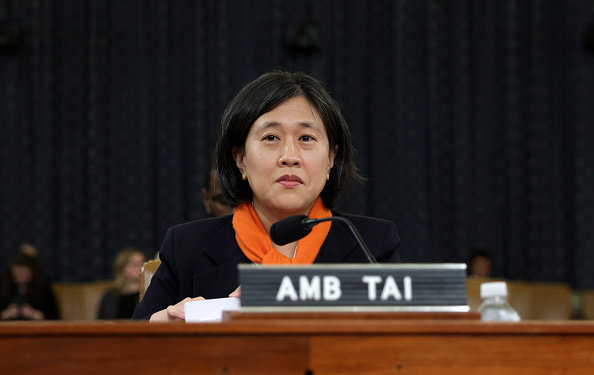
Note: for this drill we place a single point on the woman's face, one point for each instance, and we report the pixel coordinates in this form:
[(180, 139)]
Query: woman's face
[(286, 158), (133, 267), (21, 274)]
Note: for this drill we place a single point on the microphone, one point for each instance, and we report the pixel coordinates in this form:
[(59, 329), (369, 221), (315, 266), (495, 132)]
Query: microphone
[(296, 227)]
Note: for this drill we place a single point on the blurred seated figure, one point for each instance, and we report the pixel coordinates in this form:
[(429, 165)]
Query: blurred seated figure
[(480, 263), (25, 294), (120, 302), (215, 203)]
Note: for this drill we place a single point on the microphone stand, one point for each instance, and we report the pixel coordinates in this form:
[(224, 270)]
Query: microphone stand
[(311, 222)]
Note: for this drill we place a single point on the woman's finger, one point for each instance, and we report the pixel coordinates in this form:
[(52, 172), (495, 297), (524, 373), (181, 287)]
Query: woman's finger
[(236, 292)]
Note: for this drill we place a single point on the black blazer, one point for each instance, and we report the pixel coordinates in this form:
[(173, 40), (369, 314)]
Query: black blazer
[(200, 258)]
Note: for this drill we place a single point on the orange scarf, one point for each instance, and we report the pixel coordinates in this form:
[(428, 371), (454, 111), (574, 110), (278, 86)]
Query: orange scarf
[(255, 242)]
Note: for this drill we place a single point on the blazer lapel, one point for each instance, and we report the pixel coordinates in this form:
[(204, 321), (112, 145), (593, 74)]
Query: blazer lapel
[(222, 278), (223, 246)]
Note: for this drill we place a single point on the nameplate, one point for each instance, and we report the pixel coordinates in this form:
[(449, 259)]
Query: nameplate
[(354, 287)]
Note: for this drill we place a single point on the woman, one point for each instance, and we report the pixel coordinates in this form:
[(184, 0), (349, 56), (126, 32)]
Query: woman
[(25, 294), (120, 302), (283, 149)]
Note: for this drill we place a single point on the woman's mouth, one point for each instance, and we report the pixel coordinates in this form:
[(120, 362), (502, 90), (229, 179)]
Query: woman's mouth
[(290, 181)]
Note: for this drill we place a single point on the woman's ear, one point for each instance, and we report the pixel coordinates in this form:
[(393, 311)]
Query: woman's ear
[(332, 156), (238, 155)]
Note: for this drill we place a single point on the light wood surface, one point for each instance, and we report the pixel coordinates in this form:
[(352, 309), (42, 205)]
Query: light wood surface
[(532, 300), (80, 301), (279, 345), (146, 274)]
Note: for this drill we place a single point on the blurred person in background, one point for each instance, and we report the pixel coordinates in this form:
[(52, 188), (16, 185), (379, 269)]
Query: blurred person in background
[(120, 301), (215, 203), (480, 263), (25, 293)]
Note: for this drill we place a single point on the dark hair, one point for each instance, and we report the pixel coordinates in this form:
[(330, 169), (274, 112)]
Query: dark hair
[(35, 289), (263, 95), (479, 252), (208, 168), (475, 253)]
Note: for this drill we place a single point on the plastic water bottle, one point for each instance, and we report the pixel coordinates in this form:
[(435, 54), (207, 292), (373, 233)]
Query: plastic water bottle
[(495, 307)]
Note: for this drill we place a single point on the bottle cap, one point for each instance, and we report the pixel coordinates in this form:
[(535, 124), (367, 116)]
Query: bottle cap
[(494, 289)]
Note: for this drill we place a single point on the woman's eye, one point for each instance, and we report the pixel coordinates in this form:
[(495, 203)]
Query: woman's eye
[(269, 137), (307, 138)]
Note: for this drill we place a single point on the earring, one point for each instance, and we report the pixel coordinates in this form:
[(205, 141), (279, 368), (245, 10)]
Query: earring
[(243, 176), (328, 176)]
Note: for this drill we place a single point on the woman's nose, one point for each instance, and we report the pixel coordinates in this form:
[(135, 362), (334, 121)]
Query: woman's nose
[(289, 155)]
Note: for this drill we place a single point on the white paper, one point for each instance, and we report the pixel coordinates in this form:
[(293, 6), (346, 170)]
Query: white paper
[(210, 310)]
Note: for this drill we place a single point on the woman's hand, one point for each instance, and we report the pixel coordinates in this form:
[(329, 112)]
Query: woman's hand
[(29, 312), (11, 312), (236, 292), (176, 312), (173, 312)]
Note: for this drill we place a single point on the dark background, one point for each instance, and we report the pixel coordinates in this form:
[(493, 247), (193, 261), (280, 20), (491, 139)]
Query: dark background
[(473, 121)]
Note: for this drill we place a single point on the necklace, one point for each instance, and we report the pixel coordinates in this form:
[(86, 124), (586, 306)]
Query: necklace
[(295, 251)]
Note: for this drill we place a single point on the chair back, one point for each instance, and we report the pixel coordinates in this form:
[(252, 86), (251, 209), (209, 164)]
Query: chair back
[(80, 301), (146, 274)]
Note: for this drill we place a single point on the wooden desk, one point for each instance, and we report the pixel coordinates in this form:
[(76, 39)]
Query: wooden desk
[(308, 346)]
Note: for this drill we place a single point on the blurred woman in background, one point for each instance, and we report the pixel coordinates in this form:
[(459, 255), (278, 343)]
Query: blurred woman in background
[(120, 302), (25, 294)]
